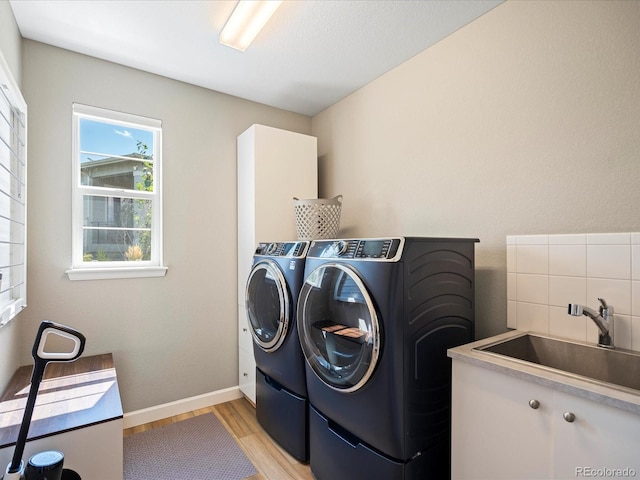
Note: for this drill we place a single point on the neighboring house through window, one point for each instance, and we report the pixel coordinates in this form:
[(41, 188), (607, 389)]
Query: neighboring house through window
[(117, 202)]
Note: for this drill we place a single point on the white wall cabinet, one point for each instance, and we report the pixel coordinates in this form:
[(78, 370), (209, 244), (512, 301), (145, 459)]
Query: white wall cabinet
[(497, 434), (274, 166)]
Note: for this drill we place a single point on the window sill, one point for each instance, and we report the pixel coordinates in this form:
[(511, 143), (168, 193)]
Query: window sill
[(11, 310), (114, 273)]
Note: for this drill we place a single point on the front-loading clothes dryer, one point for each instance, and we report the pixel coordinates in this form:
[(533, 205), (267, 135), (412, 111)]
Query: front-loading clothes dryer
[(375, 319), (281, 392)]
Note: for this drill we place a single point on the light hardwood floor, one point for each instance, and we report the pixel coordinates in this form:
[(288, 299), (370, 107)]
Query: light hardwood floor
[(239, 418)]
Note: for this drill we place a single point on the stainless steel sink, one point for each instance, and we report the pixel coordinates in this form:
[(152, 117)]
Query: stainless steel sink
[(617, 367)]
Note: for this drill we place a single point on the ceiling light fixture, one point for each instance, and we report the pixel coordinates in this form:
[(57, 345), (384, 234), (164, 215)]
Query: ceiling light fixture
[(246, 21)]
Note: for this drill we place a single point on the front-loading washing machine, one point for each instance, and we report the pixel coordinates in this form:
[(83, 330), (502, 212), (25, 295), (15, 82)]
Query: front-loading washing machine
[(272, 291), (375, 320)]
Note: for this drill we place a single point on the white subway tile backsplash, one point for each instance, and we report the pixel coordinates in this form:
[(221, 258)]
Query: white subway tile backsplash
[(532, 288), (579, 239), (616, 293), (512, 315), (532, 317), (511, 287), (569, 260), (635, 333), (609, 261), (622, 332), (608, 239), (532, 259), (561, 324), (566, 290), (635, 262), (511, 259), (532, 239), (546, 272)]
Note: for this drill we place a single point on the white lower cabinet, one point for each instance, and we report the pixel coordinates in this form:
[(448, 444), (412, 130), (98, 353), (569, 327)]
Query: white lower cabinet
[(505, 427), (495, 433), (601, 438)]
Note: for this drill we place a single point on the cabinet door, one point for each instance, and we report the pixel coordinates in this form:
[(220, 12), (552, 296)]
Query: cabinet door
[(496, 434), (245, 341), (600, 437), (246, 360), (247, 375)]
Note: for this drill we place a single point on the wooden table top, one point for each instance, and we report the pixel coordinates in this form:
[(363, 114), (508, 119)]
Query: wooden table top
[(72, 395)]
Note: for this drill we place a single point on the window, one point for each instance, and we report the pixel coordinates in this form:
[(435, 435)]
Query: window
[(117, 203), (13, 197)]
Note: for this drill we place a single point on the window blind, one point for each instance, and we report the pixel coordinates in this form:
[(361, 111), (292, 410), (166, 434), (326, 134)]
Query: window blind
[(13, 196)]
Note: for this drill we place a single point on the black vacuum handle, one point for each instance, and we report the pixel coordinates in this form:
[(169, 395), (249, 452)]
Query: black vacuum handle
[(41, 358), (46, 328)]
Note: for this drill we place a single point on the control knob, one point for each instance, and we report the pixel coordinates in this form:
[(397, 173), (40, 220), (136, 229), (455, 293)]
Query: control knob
[(271, 248), (340, 247)]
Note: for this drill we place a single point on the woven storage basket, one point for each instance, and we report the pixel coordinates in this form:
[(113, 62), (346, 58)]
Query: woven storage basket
[(317, 218)]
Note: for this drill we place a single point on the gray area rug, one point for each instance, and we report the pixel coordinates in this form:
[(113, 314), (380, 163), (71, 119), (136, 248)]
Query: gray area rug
[(199, 448)]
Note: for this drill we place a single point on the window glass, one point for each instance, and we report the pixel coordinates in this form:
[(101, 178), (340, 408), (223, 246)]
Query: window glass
[(117, 190), (115, 157), (116, 228)]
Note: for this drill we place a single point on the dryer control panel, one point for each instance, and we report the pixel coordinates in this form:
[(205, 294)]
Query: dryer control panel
[(381, 249), (282, 249)]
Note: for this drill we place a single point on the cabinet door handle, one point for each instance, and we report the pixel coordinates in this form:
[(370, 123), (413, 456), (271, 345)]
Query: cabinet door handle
[(569, 417), (245, 374), (535, 404), (244, 329)]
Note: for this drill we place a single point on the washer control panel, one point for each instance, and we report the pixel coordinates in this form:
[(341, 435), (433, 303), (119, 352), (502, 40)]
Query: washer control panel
[(282, 249), (365, 249)]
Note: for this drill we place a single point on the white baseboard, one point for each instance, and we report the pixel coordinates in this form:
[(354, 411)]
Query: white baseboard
[(151, 414)]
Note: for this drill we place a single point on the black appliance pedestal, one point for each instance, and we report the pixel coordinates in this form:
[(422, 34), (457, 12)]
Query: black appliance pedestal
[(284, 416)]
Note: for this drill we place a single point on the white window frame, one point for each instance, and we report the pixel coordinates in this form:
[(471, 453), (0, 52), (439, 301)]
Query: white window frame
[(13, 284), (82, 270)]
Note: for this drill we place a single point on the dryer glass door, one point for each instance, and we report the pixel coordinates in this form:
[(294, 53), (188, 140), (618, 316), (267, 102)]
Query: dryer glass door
[(268, 305), (338, 327)]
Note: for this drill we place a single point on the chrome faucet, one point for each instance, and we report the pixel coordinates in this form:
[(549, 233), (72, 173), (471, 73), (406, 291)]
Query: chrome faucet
[(604, 321)]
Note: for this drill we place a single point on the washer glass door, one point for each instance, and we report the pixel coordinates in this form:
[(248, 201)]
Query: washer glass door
[(268, 305), (338, 327)]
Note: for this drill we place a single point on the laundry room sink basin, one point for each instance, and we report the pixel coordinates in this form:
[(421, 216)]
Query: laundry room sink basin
[(617, 367)]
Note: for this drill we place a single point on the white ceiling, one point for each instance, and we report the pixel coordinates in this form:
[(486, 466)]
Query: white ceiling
[(310, 55)]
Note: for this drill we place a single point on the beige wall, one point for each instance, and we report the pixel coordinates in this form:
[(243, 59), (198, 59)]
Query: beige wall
[(526, 121), (11, 48), (10, 40), (172, 337)]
